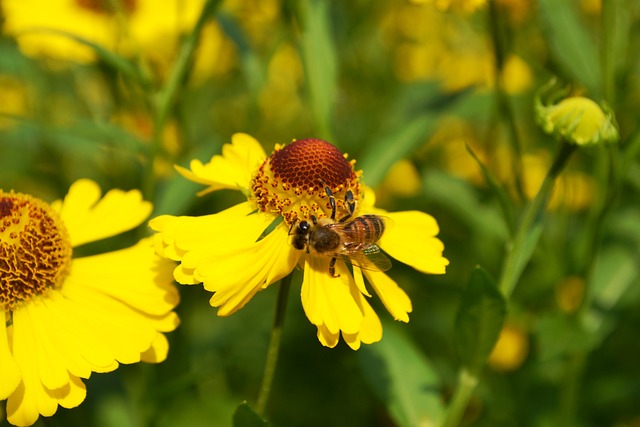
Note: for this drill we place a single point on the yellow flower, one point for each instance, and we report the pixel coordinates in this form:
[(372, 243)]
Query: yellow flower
[(510, 350), (141, 26), (67, 317), (234, 256), (579, 120)]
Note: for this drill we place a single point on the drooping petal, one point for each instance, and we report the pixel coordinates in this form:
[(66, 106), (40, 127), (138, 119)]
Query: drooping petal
[(371, 327), (9, 371), (392, 296), (327, 300), (236, 274), (232, 169), (188, 239), (89, 218), (158, 351), (327, 338), (412, 240)]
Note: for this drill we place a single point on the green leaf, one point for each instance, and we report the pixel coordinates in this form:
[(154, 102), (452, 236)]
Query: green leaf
[(479, 321), (319, 58), (570, 43), (403, 378), (246, 417)]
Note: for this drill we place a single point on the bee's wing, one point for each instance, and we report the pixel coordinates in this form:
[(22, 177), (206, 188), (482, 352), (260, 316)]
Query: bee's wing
[(369, 258)]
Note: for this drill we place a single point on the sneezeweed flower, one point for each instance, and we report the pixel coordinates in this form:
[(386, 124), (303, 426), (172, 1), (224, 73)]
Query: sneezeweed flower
[(126, 26), (235, 256), (64, 317), (578, 120)]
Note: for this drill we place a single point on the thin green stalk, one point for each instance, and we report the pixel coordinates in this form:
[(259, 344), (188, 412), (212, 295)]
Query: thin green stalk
[(460, 400), (525, 241), (274, 345), (504, 108), (166, 96)]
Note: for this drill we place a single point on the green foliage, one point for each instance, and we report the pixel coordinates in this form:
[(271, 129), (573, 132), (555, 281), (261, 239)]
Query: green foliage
[(385, 81), (403, 379), (479, 321)]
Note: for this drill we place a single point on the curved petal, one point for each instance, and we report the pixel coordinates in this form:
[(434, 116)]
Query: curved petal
[(232, 169), (158, 351), (89, 218), (236, 275), (328, 301), (412, 241), (189, 239), (392, 296), (135, 276), (9, 371), (46, 382), (371, 328), (327, 338)]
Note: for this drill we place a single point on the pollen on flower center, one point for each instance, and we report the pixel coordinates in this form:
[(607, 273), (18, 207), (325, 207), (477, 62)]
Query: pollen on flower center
[(35, 251), (292, 180)]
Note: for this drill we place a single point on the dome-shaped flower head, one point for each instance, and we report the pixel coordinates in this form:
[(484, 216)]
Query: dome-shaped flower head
[(310, 195), (62, 317)]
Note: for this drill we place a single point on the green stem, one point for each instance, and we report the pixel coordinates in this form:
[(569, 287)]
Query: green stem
[(274, 345), (460, 400), (522, 245), (504, 108), (166, 96)]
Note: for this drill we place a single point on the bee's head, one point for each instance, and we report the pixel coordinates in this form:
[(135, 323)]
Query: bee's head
[(301, 235)]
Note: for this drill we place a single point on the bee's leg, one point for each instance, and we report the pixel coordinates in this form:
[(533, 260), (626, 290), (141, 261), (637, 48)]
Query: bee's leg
[(332, 267), (295, 221), (314, 219), (332, 201), (351, 205)]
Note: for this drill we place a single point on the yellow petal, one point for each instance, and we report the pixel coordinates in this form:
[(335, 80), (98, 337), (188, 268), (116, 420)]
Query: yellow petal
[(393, 297), (89, 218), (77, 336), (412, 241), (72, 394), (51, 367), (327, 338), (30, 398), (135, 276), (158, 351), (125, 331), (232, 169), (236, 275), (371, 328), (9, 371), (327, 300)]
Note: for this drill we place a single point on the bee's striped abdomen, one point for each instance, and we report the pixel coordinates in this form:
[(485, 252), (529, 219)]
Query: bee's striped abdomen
[(366, 228)]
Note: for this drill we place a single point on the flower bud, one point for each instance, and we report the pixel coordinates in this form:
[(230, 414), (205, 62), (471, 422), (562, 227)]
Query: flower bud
[(578, 120)]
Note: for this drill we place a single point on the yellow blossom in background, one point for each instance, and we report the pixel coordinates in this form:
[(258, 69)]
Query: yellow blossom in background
[(516, 75), (280, 100), (234, 256), (573, 189), (140, 27), (466, 6), (402, 180), (64, 317), (511, 349), (431, 45), (14, 95), (569, 293)]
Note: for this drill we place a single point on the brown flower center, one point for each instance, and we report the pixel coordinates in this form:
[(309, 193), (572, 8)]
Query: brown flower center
[(292, 180), (35, 251)]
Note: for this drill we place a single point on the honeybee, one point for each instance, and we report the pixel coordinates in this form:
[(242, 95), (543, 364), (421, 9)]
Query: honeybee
[(351, 240)]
